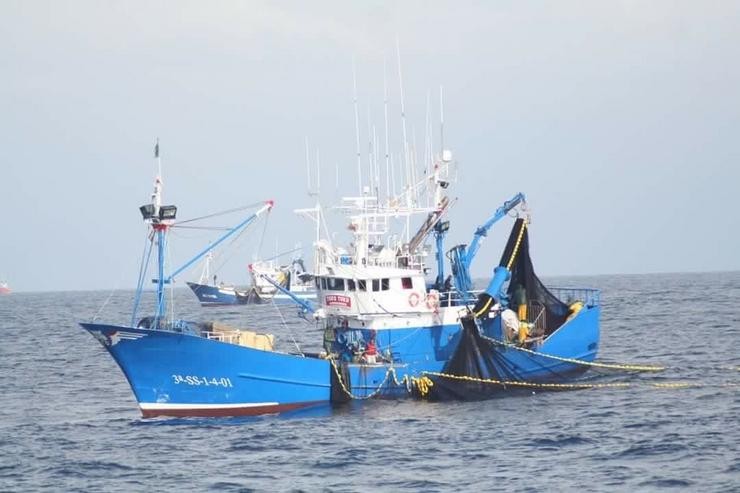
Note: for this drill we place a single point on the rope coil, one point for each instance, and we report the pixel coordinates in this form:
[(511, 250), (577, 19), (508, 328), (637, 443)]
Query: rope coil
[(422, 384)]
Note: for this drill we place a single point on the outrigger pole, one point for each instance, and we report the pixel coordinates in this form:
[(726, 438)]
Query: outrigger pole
[(161, 218), (306, 305)]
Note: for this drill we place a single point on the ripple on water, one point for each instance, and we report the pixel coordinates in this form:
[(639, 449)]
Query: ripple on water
[(69, 422)]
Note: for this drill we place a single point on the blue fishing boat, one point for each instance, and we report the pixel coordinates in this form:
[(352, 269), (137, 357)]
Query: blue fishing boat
[(292, 277), (388, 332)]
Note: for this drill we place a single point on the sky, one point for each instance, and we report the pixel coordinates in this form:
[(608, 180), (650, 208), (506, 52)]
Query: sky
[(619, 120)]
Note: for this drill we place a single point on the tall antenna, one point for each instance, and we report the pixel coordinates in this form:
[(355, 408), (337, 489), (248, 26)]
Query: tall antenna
[(159, 159), (318, 173), (403, 120), (357, 126), (376, 168), (441, 122), (428, 138), (371, 151), (157, 195), (308, 167), (413, 156), (387, 154)]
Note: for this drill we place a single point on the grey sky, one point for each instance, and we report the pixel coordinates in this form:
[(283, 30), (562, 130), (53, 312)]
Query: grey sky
[(619, 120)]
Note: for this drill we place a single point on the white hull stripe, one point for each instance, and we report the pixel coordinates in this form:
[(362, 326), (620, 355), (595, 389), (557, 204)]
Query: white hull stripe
[(166, 406)]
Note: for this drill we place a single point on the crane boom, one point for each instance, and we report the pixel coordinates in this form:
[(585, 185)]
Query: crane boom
[(462, 256)]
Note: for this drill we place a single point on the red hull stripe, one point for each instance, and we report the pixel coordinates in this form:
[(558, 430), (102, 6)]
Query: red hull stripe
[(249, 410)]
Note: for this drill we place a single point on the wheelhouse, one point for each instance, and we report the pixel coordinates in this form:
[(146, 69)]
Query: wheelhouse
[(347, 291)]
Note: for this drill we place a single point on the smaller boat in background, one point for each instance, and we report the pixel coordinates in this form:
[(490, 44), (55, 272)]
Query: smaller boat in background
[(4, 288), (215, 294), (292, 277)]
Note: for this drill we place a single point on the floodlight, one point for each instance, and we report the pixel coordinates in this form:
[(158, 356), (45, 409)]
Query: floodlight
[(167, 212), (147, 211)]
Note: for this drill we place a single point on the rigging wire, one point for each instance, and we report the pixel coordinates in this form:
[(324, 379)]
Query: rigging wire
[(297, 249), (224, 259), (204, 228), (228, 211), (145, 258), (290, 331), (264, 230)]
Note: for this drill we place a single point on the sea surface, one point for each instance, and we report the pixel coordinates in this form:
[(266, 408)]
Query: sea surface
[(69, 422)]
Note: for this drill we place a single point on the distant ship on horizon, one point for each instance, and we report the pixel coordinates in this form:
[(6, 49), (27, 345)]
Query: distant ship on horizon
[(4, 288)]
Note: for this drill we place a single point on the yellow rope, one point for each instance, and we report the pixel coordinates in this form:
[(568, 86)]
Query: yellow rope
[(423, 384), (516, 246), (563, 386), (613, 366), (515, 383)]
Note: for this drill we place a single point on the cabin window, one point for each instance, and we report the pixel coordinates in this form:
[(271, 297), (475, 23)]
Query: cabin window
[(406, 283), (350, 284), (317, 281), (335, 284), (385, 284), (323, 283), (362, 285)]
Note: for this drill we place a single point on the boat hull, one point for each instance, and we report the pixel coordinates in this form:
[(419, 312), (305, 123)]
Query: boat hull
[(576, 340), (214, 295), (484, 366), (175, 374)]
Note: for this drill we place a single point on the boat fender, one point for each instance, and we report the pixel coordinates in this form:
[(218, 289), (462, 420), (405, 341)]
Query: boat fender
[(413, 299), (341, 338), (433, 299)]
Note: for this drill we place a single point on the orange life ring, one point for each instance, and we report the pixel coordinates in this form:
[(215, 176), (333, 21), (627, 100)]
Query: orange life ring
[(433, 300), (413, 300)]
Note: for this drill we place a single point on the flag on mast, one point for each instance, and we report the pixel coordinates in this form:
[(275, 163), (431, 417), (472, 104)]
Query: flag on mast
[(156, 149)]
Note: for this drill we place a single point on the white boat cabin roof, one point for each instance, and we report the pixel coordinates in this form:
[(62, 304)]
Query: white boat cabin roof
[(368, 272)]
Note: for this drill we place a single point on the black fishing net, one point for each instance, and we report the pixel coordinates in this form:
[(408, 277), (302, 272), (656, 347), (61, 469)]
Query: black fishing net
[(473, 358), (525, 288), (479, 367)]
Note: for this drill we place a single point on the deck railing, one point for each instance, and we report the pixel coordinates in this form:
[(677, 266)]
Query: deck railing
[(230, 337), (455, 298), (589, 297)]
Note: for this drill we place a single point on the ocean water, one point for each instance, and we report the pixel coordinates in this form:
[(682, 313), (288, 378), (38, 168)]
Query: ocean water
[(69, 422)]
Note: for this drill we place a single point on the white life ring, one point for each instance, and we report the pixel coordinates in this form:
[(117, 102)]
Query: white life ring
[(413, 300), (433, 299)]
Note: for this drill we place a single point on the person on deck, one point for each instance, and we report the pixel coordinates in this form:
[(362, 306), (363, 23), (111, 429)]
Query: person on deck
[(510, 324), (371, 351)]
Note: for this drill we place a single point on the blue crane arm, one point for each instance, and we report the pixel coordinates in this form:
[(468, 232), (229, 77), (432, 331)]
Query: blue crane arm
[(482, 231), (306, 306), (268, 205), (461, 257)]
